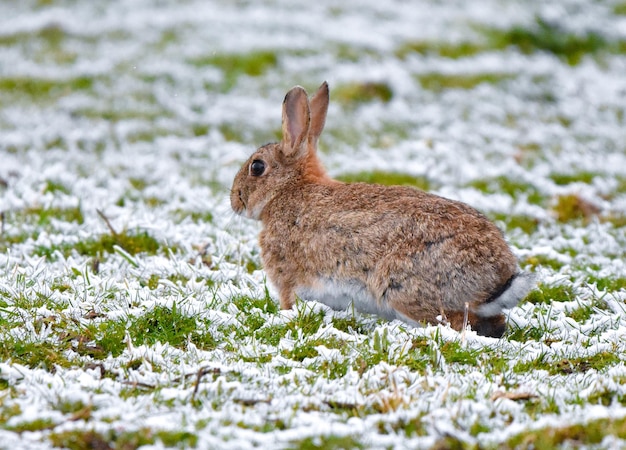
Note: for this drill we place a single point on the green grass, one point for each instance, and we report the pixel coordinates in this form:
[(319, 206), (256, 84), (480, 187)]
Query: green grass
[(307, 320), (41, 89), (55, 186), (44, 216), (572, 207), (386, 178), (131, 242), (564, 366), (27, 299), (546, 294), (327, 442), (348, 324), (527, 224), (53, 35), (350, 52), (33, 425), (455, 352), (618, 220), (81, 439), (538, 260), (167, 325), (552, 38), (333, 369), (265, 304), (600, 362), (357, 93), (8, 411), (100, 338), (587, 309), (180, 439), (563, 179), (47, 44), (252, 321), (108, 336), (609, 284), (97, 340), (271, 334), (439, 82), (235, 65), (538, 36), (231, 132), (164, 325), (45, 355), (538, 333), (579, 435), (517, 189), (444, 49), (306, 348), (620, 9)]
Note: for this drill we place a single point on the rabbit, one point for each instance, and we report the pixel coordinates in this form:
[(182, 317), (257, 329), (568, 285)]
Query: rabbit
[(394, 251)]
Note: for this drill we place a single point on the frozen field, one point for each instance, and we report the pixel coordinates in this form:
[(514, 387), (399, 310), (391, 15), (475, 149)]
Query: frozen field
[(134, 311)]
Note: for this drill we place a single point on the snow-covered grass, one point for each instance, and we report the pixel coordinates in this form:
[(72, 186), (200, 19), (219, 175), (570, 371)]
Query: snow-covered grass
[(134, 311)]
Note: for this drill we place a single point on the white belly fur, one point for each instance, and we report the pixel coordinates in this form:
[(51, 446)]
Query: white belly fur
[(342, 294)]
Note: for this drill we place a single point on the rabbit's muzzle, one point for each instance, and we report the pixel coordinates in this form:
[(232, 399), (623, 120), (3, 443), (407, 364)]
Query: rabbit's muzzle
[(237, 202)]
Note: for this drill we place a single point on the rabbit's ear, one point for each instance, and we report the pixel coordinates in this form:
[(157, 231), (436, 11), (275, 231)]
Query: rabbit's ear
[(296, 121), (319, 108)]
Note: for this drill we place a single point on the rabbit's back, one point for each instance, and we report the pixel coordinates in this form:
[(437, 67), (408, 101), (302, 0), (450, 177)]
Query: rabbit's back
[(401, 245)]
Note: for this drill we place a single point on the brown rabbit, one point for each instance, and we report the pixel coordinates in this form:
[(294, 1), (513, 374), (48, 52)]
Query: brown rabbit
[(389, 250)]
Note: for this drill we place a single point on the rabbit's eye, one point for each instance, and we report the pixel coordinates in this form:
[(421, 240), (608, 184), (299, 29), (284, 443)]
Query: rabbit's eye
[(257, 168)]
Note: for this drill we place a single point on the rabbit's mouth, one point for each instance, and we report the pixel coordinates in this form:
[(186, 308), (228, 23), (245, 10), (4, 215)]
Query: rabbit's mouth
[(242, 207), (237, 203), (241, 211)]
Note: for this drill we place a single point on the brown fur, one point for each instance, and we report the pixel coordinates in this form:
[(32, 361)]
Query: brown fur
[(417, 253)]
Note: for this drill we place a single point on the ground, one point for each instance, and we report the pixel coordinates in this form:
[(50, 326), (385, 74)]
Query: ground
[(134, 311)]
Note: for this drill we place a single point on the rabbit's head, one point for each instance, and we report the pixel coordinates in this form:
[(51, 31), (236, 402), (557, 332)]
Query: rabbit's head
[(292, 161)]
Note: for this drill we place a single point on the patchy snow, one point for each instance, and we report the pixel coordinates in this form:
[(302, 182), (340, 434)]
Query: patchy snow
[(141, 59)]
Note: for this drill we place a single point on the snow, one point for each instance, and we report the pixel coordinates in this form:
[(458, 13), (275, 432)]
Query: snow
[(138, 55)]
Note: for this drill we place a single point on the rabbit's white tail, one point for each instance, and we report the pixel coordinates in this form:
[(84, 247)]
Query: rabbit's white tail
[(509, 295)]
